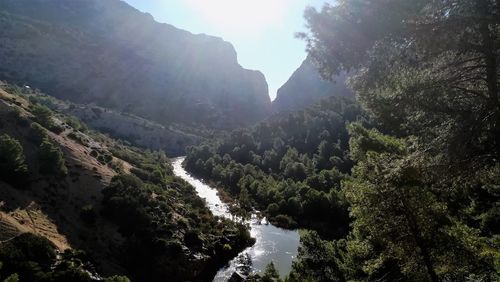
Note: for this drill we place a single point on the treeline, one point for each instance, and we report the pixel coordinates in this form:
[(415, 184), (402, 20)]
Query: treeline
[(423, 193), (290, 167)]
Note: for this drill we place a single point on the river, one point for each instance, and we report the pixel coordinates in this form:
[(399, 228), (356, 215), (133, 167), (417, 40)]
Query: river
[(273, 244)]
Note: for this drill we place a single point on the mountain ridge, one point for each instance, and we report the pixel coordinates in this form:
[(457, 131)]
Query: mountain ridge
[(121, 58), (306, 87)]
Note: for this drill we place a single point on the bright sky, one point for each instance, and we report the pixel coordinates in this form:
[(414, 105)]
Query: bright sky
[(262, 31)]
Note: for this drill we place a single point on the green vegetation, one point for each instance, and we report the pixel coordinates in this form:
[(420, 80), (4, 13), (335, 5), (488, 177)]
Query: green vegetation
[(290, 167), (13, 167), (45, 117), (51, 159), (423, 195), (38, 133), (76, 124), (271, 274), (165, 230), (32, 258), (150, 219), (422, 184)]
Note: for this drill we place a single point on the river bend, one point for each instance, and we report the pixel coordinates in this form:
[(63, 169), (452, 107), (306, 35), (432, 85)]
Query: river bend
[(272, 244)]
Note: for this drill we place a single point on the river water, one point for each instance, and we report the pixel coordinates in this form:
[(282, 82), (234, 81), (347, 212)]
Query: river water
[(273, 244)]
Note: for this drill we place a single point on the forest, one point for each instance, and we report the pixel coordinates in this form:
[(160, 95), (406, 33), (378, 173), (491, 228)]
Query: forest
[(290, 166), (403, 183)]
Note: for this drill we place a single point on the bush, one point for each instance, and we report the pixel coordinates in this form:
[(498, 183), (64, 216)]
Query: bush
[(37, 133), (273, 209), (76, 124), (142, 174), (270, 273), (33, 258), (94, 153), (12, 160), (17, 253), (44, 116), (117, 166), (51, 159), (227, 247), (283, 221), (78, 137)]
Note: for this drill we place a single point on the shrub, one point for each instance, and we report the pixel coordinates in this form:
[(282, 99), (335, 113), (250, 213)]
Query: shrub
[(78, 138), (227, 247), (94, 153), (12, 160), (27, 247), (51, 159), (142, 174), (37, 133), (283, 221), (271, 274), (76, 124), (34, 258), (273, 209), (117, 166), (43, 115)]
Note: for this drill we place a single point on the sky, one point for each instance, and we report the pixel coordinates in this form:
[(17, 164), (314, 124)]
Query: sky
[(262, 31)]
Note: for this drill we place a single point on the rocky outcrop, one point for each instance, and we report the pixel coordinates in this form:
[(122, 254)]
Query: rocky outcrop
[(107, 52), (306, 87)]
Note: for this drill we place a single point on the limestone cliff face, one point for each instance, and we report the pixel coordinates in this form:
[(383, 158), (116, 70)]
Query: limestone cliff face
[(306, 87), (107, 52)]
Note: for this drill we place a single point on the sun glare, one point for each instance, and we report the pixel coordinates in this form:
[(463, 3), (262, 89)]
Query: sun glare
[(241, 16)]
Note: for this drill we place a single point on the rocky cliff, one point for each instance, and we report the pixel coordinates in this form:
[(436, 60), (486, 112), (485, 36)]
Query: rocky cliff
[(107, 52), (306, 87)]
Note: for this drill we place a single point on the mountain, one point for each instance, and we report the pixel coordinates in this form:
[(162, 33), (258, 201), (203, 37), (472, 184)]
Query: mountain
[(109, 53), (306, 86)]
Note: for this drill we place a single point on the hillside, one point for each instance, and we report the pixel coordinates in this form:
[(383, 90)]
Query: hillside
[(171, 138), (105, 207), (109, 53), (306, 87)]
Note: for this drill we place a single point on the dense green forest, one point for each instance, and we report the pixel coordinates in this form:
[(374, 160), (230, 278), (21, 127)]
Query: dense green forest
[(409, 193), (290, 166), (121, 209)]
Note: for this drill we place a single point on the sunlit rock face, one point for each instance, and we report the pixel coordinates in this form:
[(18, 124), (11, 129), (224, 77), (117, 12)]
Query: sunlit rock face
[(306, 87), (108, 53)]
